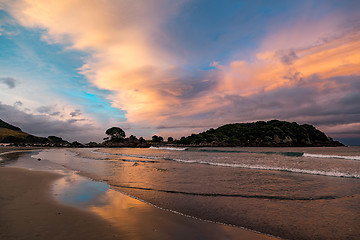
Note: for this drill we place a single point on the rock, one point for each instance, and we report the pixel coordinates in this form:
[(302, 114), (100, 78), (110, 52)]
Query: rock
[(161, 169)]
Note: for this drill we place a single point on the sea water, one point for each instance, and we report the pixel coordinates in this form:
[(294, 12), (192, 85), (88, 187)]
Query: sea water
[(293, 193)]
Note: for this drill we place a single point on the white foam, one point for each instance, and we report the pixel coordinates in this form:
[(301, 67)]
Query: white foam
[(331, 156), (169, 148), (97, 152), (264, 167), (332, 173)]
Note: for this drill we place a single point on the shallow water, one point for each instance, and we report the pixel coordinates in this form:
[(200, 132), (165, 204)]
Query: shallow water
[(133, 219), (294, 193)]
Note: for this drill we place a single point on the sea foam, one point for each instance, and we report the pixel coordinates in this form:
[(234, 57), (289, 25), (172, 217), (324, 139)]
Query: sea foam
[(331, 156), (169, 148), (333, 173)]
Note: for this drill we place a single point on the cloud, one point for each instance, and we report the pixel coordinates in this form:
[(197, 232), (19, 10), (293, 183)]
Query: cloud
[(18, 104), (51, 110), (43, 125), (126, 42), (76, 113), (44, 109), (305, 70), (8, 81), (287, 57), (324, 107), (55, 114)]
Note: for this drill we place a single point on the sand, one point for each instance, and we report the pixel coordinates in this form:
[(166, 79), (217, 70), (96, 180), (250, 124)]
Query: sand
[(28, 210)]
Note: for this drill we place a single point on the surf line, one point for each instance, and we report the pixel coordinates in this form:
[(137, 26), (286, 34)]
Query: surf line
[(270, 197)]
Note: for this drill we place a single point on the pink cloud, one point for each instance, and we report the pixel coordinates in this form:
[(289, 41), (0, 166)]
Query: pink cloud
[(125, 40)]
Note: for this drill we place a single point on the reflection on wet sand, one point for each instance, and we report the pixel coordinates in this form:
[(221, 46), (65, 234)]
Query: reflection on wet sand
[(136, 219), (78, 191)]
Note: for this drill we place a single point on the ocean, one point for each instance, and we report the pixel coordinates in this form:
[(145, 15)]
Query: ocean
[(291, 193)]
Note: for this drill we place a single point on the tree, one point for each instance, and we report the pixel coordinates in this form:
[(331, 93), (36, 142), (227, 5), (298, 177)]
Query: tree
[(76, 144), (156, 138), (170, 139), (115, 133), (133, 139)]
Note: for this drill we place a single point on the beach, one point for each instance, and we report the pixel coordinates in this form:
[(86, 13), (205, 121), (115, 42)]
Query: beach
[(29, 210), (180, 193), (291, 193)]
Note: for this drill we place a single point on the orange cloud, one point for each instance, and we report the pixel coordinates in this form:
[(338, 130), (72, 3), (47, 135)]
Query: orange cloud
[(126, 42), (337, 57)]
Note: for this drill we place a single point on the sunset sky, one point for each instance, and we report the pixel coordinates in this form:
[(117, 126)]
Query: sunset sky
[(73, 68)]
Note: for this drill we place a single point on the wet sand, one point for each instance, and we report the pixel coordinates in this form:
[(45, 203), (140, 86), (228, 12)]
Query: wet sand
[(28, 210)]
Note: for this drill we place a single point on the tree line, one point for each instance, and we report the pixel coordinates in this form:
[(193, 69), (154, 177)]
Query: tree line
[(117, 136), (260, 133)]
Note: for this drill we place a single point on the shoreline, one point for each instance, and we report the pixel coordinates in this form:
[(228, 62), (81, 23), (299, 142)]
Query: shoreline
[(6, 150), (29, 211)]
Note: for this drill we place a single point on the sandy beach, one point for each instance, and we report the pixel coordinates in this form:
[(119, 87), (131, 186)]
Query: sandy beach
[(28, 210)]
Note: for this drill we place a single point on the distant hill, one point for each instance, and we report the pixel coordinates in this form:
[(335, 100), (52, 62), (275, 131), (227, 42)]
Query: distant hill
[(12, 134), (271, 133), (8, 126)]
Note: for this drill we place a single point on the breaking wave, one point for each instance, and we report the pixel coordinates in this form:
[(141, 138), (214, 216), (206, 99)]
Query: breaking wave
[(289, 154), (331, 173), (274, 168), (331, 156), (169, 148)]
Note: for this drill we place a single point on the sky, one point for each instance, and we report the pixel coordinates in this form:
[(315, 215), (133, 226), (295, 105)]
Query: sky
[(74, 68)]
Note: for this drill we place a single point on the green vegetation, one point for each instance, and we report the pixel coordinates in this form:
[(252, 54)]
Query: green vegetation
[(6, 133), (271, 133), (116, 138), (17, 136), (115, 133), (157, 139)]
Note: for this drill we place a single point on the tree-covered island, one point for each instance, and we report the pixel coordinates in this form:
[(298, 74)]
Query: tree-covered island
[(273, 133)]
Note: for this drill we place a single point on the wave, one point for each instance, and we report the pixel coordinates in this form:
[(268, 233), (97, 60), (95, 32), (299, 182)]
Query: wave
[(331, 156), (276, 197), (169, 148), (333, 173), (97, 152), (264, 167), (289, 154)]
